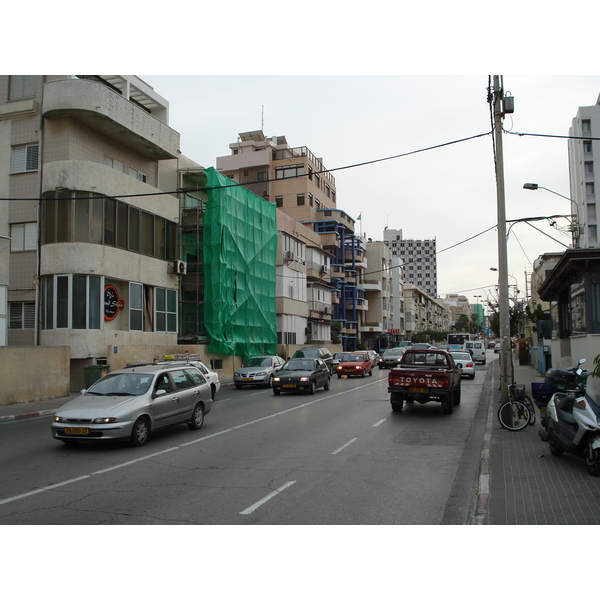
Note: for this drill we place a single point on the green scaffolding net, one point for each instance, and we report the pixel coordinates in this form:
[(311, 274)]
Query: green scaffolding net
[(240, 248)]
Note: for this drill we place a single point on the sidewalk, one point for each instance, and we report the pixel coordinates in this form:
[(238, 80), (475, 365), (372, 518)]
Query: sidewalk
[(529, 486)]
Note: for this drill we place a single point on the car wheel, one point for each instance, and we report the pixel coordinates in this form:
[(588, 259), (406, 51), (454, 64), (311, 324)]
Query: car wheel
[(448, 405), (472, 376), (270, 382), (371, 373), (140, 432), (276, 391), (312, 388), (326, 386), (213, 392), (397, 401), (456, 397), (197, 417), (339, 376)]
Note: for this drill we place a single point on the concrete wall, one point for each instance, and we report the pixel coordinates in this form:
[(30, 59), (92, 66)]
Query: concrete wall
[(33, 373)]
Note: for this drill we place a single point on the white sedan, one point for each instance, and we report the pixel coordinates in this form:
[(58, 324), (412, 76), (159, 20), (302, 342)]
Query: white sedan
[(464, 363)]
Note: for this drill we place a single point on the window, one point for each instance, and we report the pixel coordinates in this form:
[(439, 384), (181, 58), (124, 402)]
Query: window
[(25, 158), (586, 126), (113, 164), (137, 174), (71, 302), (289, 171), (23, 237), (589, 168), (21, 315), (587, 146), (21, 87), (300, 199), (136, 307), (279, 201), (165, 302)]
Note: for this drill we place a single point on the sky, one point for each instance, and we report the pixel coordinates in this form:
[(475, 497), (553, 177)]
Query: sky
[(447, 193)]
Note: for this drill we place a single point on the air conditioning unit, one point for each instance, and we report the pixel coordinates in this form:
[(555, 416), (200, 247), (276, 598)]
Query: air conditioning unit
[(324, 269), (180, 267), (288, 255)]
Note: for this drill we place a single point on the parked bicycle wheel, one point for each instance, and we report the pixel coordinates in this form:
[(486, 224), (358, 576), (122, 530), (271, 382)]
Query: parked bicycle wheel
[(514, 416), (532, 415)]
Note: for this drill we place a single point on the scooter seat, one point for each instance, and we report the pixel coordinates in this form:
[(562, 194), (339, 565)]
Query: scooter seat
[(566, 403), (566, 416)]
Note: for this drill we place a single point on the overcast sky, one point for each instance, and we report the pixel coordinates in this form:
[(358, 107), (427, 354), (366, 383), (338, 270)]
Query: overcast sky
[(446, 193)]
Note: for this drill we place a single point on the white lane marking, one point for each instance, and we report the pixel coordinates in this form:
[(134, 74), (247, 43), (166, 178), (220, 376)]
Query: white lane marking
[(379, 423), (345, 445), (252, 508), (154, 454)]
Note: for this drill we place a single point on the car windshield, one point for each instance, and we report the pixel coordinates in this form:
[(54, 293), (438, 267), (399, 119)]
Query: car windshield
[(464, 356), (297, 364), (354, 358), (121, 384), (393, 352), (306, 353), (258, 362)]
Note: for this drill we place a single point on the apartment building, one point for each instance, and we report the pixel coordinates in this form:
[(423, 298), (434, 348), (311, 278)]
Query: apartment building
[(301, 187), (423, 312), (91, 167), (419, 258), (584, 173)]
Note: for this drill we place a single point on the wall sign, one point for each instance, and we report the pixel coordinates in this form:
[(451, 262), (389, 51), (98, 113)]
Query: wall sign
[(112, 304)]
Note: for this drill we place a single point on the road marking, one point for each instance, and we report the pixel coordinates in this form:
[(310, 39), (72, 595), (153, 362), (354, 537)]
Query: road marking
[(345, 445), (252, 508), (379, 423), (171, 449)]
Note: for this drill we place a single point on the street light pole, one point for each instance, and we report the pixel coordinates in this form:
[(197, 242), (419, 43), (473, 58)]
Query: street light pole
[(574, 215), (503, 305)]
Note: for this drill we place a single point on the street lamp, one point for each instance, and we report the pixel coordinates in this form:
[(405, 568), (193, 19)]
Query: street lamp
[(574, 216)]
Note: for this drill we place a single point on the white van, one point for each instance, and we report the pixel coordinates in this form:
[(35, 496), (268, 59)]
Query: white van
[(476, 350)]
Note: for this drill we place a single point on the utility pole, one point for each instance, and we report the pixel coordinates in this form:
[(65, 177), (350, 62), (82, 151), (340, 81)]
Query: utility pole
[(503, 302)]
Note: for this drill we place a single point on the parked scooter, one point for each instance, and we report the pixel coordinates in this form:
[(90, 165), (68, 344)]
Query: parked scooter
[(572, 419)]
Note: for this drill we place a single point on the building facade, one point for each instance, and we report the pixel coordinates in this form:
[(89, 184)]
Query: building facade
[(301, 187), (584, 173), (91, 167), (418, 257)]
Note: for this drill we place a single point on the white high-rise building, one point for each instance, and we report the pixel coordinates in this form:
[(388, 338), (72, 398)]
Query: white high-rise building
[(584, 172)]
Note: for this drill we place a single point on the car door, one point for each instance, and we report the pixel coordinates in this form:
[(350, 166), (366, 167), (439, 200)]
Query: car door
[(322, 373), (186, 393), (165, 406), (200, 389)]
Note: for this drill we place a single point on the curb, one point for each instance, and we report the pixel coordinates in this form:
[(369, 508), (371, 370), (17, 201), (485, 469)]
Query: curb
[(28, 415)]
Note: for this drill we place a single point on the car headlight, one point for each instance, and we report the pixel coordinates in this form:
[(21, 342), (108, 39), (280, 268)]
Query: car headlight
[(304, 378), (58, 419), (276, 379), (106, 420), (261, 374)]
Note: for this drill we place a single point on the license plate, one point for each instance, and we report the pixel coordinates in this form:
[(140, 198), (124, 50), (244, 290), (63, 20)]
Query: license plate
[(289, 385), (248, 379), (77, 430), (418, 389)]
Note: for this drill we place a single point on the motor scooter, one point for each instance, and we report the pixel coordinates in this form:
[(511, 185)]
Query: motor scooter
[(572, 420)]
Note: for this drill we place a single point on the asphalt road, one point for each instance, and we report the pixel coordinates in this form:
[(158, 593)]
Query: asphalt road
[(338, 457)]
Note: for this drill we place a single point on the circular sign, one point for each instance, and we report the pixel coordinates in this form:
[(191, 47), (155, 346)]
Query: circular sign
[(112, 304)]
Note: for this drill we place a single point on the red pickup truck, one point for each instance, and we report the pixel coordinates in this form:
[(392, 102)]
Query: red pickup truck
[(425, 376)]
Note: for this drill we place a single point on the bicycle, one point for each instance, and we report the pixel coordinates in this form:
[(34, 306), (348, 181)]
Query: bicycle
[(518, 411)]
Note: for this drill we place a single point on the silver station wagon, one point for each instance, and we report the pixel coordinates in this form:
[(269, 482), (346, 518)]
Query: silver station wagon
[(131, 403)]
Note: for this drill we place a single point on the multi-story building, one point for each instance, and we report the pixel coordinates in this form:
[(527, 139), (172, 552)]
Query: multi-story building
[(91, 167), (419, 258), (423, 312), (584, 173), (302, 188)]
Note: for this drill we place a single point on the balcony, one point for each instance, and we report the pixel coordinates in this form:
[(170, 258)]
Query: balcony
[(106, 111)]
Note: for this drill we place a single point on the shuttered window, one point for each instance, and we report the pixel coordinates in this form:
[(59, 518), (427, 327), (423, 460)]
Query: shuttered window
[(23, 236), (21, 315), (21, 87), (25, 158)]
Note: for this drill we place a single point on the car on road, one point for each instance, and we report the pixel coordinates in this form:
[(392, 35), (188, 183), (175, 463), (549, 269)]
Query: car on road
[(355, 363), (211, 376), (336, 359), (131, 403), (375, 358), (464, 363), (302, 375), (391, 357), (497, 348), (316, 352), (258, 371)]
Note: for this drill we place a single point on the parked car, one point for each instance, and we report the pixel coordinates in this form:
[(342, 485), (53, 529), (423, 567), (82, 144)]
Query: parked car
[(464, 363), (258, 370), (375, 358), (355, 363), (497, 348), (491, 345), (477, 351), (302, 374), (211, 376), (390, 358), (131, 403), (316, 352)]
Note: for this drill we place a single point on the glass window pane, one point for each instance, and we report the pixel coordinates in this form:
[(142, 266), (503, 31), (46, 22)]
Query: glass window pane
[(109, 221), (159, 237), (63, 217), (122, 225), (160, 299), (134, 229), (82, 220), (62, 302), (79, 302), (94, 302), (49, 220), (147, 233), (96, 220), (49, 303)]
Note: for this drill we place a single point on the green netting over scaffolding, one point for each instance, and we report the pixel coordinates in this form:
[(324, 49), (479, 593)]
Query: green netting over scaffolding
[(240, 249)]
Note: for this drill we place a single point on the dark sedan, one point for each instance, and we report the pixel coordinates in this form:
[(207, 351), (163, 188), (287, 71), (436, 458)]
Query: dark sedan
[(302, 374)]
